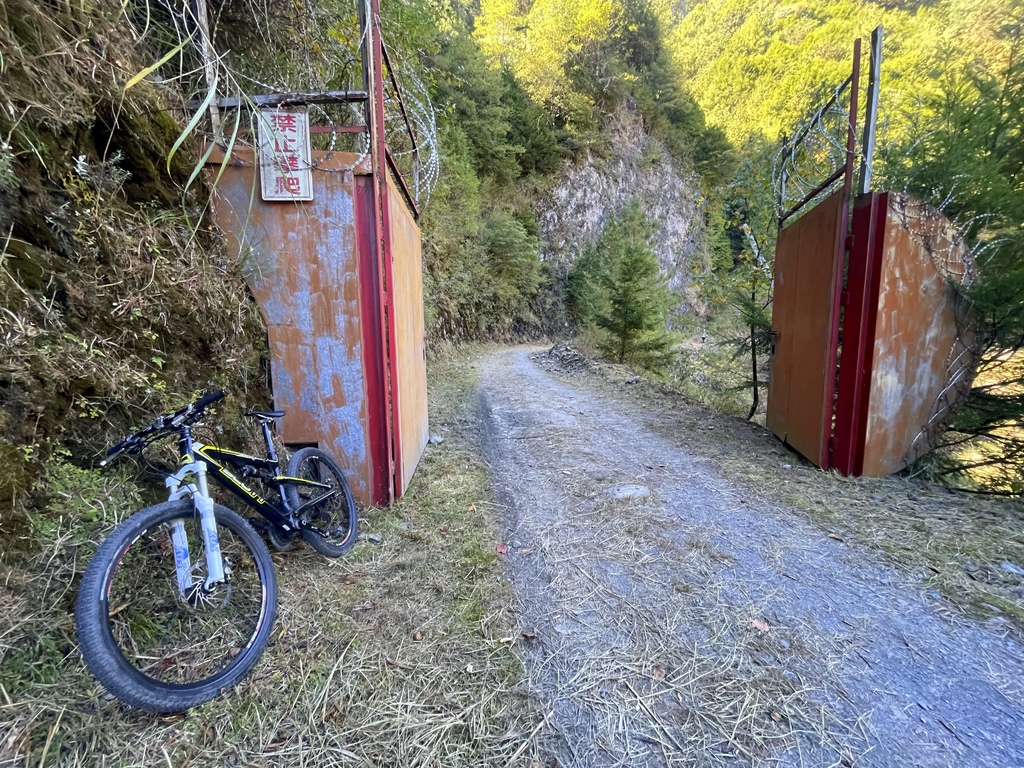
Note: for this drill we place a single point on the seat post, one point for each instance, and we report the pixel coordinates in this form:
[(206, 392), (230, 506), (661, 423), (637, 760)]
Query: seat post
[(271, 453)]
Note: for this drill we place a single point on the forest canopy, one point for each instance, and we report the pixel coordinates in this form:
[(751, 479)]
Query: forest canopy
[(756, 67)]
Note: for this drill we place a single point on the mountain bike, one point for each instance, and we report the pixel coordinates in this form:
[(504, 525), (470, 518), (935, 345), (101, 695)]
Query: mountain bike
[(178, 603)]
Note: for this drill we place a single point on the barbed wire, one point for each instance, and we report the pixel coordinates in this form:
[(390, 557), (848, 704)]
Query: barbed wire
[(426, 158), (229, 79), (817, 153)]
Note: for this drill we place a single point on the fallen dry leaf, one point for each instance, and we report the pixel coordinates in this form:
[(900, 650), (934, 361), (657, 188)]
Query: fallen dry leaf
[(833, 536), (417, 636), (659, 672), (776, 716), (528, 549), (502, 549), (471, 508), (529, 635), (760, 625)]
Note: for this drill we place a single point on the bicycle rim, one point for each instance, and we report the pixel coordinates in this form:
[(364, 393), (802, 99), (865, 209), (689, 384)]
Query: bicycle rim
[(186, 639), (331, 518)]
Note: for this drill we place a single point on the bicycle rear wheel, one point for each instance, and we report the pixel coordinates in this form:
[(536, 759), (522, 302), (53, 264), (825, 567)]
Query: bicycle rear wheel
[(328, 526), (154, 647)]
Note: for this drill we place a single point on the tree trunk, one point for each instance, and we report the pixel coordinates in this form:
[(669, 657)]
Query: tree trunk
[(753, 352)]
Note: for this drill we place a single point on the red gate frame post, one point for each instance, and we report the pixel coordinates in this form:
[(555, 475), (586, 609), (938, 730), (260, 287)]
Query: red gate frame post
[(861, 295), (841, 247), (855, 367), (382, 242)]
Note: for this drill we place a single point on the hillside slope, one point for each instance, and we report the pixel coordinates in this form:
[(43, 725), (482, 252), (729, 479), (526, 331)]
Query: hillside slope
[(586, 195), (116, 299)]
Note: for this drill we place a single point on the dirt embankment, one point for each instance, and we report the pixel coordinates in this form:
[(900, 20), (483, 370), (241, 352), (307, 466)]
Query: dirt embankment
[(675, 614)]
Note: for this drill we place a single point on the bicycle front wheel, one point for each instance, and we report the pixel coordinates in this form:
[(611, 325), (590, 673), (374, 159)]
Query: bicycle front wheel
[(157, 646), (328, 525)]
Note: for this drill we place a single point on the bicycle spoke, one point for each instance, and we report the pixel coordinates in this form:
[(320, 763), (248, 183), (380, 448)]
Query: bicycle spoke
[(177, 638)]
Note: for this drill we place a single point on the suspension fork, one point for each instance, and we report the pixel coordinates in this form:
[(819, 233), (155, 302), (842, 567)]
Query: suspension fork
[(199, 491)]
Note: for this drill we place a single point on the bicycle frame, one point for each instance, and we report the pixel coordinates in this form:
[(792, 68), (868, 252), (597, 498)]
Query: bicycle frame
[(199, 460), (216, 460)]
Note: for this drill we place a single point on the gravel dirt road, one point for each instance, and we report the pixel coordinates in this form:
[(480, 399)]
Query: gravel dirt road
[(670, 615)]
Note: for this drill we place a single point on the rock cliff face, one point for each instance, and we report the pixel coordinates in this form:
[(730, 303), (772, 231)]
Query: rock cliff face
[(574, 213)]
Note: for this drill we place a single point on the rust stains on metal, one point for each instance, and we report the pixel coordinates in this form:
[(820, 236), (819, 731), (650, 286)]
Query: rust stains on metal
[(922, 346), (802, 375), (302, 263), (908, 340)]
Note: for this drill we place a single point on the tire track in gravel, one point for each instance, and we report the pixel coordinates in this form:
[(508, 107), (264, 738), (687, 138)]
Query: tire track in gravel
[(670, 620)]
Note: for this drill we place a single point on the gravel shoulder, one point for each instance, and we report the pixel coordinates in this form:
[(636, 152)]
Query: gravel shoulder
[(673, 615)]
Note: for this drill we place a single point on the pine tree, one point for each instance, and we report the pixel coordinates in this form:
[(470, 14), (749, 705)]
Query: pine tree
[(619, 288)]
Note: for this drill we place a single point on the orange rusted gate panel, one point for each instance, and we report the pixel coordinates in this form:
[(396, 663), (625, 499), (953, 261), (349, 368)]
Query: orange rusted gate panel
[(919, 341), (907, 341), (411, 335), (316, 276), (801, 383)]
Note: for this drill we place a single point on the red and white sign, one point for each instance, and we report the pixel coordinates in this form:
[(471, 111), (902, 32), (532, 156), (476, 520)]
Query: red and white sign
[(285, 169)]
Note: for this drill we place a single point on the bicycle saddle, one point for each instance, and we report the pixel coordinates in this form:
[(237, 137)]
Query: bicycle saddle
[(265, 415)]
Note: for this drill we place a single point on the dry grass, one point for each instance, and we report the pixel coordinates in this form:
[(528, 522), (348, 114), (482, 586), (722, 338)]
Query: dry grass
[(953, 542), (398, 654), (644, 654)]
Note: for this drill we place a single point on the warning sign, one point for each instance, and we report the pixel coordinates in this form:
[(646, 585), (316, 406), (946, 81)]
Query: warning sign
[(285, 169)]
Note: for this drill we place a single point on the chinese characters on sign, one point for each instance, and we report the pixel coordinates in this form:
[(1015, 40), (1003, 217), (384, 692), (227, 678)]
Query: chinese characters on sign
[(285, 170)]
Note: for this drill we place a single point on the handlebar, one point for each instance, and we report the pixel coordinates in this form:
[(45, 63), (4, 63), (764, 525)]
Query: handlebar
[(210, 398), (164, 426)]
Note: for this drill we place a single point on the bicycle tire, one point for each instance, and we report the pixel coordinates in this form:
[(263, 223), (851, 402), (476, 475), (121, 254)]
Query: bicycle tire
[(154, 611), (337, 517)]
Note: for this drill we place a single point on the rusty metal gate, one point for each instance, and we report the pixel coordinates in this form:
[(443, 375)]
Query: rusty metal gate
[(908, 342), (315, 274), (801, 385), (336, 270), (871, 343)]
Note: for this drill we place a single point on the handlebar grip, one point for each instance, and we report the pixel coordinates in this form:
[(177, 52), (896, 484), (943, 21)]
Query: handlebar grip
[(112, 454), (129, 444), (210, 398)]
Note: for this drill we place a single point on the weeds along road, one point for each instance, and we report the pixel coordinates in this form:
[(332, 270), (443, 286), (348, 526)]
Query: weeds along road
[(671, 616)]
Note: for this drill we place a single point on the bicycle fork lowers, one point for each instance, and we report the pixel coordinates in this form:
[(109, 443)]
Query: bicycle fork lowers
[(199, 492)]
